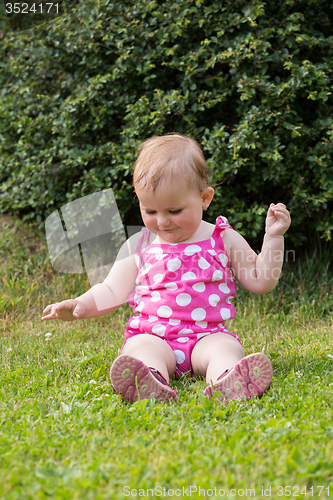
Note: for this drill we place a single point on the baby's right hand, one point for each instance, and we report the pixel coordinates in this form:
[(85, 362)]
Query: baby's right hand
[(67, 310)]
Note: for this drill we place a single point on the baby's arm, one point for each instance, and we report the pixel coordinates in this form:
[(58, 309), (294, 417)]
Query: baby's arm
[(260, 273), (103, 297)]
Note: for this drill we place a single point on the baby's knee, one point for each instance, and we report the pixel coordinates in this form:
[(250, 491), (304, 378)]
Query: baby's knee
[(230, 343), (136, 342), (220, 343), (233, 346), (238, 348)]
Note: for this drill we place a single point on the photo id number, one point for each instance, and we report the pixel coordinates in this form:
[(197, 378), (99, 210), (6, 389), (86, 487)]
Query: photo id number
[(296, 491), (35, 8)]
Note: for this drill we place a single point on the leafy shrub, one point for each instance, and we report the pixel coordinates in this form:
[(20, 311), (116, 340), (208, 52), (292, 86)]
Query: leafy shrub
[(252, 81)]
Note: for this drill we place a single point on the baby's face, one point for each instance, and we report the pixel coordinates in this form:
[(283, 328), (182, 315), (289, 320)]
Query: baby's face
[(173, 211)]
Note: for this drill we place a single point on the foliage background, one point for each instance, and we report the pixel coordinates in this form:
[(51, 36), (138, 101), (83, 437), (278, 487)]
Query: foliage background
[(250, 80)]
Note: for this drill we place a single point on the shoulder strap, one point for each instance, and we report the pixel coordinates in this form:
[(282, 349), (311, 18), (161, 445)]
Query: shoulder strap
[(143, 240), (141, 245), (222, 222)]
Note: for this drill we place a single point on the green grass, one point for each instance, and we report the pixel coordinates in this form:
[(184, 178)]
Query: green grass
[(66, 435)]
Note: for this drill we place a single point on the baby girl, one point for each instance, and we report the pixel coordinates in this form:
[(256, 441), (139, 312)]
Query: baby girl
[(178, 275)]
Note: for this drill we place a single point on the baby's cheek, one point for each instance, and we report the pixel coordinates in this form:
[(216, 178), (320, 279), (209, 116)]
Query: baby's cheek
[(147, 220)]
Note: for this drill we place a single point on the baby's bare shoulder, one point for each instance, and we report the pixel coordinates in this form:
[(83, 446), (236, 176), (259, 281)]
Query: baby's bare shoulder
[(129, 247), (228, 239), (233, 238), (207, 230)]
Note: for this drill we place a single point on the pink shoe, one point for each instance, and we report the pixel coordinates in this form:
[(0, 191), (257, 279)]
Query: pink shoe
[(134, 380), (250, 377)]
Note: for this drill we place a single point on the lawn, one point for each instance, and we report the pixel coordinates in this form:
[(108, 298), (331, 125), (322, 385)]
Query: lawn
[(66, 435)]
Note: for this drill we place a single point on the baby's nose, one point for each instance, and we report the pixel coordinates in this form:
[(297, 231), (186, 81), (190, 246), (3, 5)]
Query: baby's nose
[(162, 220)]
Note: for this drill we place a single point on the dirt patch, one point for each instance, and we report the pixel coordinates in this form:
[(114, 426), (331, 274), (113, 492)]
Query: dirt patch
[(6, 219), (26, 234)]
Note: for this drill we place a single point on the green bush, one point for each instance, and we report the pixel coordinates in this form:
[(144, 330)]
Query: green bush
[(252, 81)]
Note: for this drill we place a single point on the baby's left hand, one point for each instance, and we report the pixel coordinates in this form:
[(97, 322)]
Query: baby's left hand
[(278, 220)]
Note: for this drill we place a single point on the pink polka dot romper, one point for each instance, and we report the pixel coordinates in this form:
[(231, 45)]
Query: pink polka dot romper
[(183, 292)]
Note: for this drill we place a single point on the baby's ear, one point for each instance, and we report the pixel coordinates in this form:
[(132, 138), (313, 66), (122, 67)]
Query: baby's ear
[(207, 196)]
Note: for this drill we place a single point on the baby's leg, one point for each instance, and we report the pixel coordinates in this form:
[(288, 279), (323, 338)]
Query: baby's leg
[(246, 377), (153, 352), (215, 354), (142, 370)]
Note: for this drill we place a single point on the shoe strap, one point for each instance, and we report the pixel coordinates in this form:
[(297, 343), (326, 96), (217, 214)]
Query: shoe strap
[(223, 375), (158, 376)]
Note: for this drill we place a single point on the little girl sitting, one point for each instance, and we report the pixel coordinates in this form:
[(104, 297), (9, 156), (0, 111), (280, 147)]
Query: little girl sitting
[(178, 276)]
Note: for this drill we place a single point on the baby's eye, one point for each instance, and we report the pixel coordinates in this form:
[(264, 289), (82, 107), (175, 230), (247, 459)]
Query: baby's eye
[(149, 212), (175, 211)]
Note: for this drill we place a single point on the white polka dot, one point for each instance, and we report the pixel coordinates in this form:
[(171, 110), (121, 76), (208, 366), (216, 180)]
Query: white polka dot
[(185, 330), (224, 219), (212, 252), (182, 340), (217, 275), (174, 322), (160, 256), (213, 329), (143, 288), (229, 299), (203, 324), (225, 313), (155, 296), (152, 318), (224, 288), (214, 299), (224, 259), (155, 250), (158, 278), (140, 306), (145, 268), (192, 249), (171, 286), (198, 314), (174, 264), (164, 311), (180, 356), (159, 330), (188, 276), (202, 334), (137, 298), (203, 264), (212, 242), (199, 287), (137, 281), (183, 299), (137, 260), (134, 323)]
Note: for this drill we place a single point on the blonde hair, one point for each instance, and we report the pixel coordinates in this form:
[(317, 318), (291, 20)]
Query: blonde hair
[(172, 156)]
